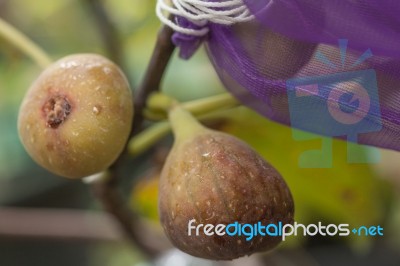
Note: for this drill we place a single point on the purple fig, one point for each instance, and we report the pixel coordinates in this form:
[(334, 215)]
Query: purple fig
[(214, 178)]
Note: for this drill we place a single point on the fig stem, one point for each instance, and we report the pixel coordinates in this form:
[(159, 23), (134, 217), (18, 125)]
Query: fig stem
[(26, 45), (183, 123), (216, 102), (154, 115), (148, 137), (159, 103)]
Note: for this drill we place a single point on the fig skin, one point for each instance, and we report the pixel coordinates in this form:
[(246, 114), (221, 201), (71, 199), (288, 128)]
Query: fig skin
[(76, 117), (215, 178)]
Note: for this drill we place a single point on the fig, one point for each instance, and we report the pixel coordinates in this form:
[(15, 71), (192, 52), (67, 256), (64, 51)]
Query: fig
[(213, 178), (77, 115)]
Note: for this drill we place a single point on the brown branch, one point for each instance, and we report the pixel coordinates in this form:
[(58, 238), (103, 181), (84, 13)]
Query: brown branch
[(113, 202), (107, 190), (154, 73)]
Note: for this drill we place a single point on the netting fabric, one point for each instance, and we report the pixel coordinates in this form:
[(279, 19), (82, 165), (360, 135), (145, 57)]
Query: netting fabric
[(325, 66)]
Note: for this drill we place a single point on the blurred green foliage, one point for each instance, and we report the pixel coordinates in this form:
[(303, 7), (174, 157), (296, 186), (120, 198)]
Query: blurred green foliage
[(349, 193)]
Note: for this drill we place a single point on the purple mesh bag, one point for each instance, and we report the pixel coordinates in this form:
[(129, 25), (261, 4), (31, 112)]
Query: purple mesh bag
[(324, 66)]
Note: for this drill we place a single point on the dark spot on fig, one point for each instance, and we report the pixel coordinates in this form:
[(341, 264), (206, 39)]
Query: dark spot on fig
[(50, 146), (56, 111)]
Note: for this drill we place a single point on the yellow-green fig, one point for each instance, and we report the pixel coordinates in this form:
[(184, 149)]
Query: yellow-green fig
[(76, 117), (213, 178)]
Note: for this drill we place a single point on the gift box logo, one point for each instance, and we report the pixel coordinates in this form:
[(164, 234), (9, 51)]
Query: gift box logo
[(340, 104)]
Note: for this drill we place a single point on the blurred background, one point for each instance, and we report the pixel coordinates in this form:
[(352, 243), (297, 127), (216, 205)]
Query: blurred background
[(47, 220)]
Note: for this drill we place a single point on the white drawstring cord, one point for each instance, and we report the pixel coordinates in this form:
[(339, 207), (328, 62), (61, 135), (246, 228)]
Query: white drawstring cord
[(200, 12)]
